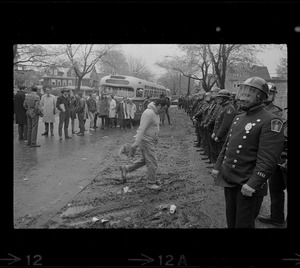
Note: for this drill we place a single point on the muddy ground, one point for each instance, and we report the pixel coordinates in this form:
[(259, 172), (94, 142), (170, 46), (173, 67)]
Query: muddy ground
[(71, 184)]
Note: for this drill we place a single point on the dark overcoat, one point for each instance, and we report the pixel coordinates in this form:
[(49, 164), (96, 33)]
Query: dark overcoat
[(20, 111)]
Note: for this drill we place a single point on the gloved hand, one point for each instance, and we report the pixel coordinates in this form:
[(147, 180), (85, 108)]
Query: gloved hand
[(247, 190), (213, 135), (214, 173)]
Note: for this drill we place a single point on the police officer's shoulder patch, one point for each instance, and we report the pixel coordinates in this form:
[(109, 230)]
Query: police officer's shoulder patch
[(229, 110), (276, 125)]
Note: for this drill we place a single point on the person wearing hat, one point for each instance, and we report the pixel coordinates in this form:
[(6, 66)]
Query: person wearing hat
[(249, 155), (63, 105)]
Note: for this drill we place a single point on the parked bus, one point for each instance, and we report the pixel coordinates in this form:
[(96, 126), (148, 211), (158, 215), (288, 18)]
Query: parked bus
[(132, 88)]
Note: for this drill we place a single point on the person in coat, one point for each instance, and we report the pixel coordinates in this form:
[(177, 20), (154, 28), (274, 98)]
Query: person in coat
[(112, 111), (63, 105), (20, 111), (72, 110), (103, 111), (249, 156), (92, 109), (131, 108), (80, 110), (48, 103), (122, 113), (33, 112)]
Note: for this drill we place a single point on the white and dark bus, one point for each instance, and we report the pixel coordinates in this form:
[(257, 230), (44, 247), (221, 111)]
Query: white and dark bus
[(132, 88)]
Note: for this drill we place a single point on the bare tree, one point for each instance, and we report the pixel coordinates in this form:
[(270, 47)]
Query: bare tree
[(139, 69), (84, 58), (281, 68), (31, 55), (224, 55), (114, 62)]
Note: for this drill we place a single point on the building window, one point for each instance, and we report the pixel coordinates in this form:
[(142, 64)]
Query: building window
[(55, 72), (72, 73), (64, 82), (69, 82), (58, 82), (53, 82)]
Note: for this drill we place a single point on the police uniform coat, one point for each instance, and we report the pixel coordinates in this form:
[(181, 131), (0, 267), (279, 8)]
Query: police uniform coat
[(251, 151), (224, 120)]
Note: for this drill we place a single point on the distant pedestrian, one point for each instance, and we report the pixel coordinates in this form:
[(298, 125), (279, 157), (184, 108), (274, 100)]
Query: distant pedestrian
[(92, 109), (63, 105), (33, 112), (122, 113), (103, 111), (112, 111), (21, 118), (146, 102), (80, 110), (48, 103), (131, 108), (146, 139), (72, 110), (96, 113)]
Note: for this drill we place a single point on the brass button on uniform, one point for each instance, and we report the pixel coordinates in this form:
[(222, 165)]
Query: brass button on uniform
[(233, 166), (244, 137), (234, 160), (237, 151), (240, 146)]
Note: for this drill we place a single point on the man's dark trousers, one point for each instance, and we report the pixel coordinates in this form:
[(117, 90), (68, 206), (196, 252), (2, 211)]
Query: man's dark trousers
[(277, 185), (241, 210), (64, 118), (80, 117)]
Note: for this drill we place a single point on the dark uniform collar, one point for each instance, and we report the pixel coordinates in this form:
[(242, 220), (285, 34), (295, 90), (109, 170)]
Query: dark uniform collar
[(255, 109)]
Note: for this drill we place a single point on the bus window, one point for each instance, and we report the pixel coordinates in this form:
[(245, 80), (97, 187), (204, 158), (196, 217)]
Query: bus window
[(139, 92)]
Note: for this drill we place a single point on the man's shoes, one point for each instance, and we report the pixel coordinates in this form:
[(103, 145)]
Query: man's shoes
[(91, 129), (80, 134), (207, 162), (45, 134), (197, 145), (60, 138), (205, 158), (28, 144), (68, 137), (269, 220), (35, 145), (73, 132), (153, 186), (123, 173), (52, 134)]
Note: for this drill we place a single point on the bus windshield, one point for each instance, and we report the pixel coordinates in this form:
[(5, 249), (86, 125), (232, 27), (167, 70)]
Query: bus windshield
[(119, 91)]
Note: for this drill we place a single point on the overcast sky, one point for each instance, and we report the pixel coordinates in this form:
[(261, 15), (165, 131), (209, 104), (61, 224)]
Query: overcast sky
[(152, 53)]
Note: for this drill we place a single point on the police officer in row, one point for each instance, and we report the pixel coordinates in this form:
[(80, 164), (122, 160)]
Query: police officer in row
[(249, 155), (196, 110), (269, 103), (223, 120), (199, 117), (208, 125)]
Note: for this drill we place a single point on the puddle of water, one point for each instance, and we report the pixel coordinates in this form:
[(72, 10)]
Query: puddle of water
[(75, 210)]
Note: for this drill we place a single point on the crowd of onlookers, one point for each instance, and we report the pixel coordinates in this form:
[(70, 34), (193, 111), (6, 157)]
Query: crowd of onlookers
[(104, 111)]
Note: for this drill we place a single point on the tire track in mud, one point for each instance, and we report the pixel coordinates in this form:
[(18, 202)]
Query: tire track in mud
[(184, 178)]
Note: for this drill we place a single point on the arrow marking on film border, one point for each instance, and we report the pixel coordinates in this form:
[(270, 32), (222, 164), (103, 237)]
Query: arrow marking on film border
[(15, 259), (147, 260), (291, 259)]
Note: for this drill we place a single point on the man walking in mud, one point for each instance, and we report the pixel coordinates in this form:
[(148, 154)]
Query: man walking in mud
[(146, 140)]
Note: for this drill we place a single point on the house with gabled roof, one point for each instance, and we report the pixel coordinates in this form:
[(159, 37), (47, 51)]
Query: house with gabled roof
[(60, 77)]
